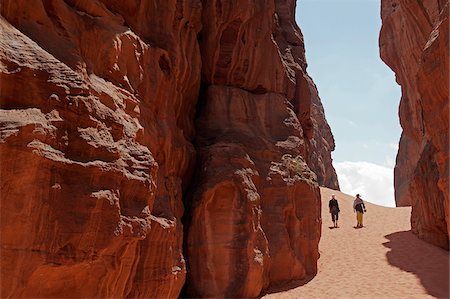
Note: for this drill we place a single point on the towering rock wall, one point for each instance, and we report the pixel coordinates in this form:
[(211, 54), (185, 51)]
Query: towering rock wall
[(414, 42), (256, 202), (102, 148)]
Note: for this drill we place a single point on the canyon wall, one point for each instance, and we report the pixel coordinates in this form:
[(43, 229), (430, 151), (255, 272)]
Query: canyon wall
[(143, 142), (97, 103), (414, 42), (255, 193)]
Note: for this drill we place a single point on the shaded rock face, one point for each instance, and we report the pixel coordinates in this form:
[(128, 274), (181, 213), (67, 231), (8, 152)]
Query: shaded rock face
[(100, 139), (255, 217), (254, 214), (414, 42)]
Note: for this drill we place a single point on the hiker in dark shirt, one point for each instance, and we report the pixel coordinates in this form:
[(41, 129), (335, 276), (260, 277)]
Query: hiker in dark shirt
[(360, 209), (334, 210)]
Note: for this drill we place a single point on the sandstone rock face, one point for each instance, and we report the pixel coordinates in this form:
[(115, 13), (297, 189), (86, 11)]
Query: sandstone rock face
[(321, 144), (97, 104), (259, 48), (414, 42), (116, 116), (254, 214), (255, 202)]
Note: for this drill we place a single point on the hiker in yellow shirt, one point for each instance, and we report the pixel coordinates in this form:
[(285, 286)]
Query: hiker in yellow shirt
[(360, 209)]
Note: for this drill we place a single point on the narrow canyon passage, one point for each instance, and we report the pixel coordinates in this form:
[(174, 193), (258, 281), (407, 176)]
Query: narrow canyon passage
[(152, 145), (382, 260)]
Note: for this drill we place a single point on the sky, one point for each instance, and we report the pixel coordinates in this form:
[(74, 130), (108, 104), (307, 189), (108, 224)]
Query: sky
[(358, 91)]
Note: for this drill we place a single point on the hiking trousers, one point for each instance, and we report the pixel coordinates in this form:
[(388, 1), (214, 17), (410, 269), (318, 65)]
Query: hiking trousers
[(334, 216), (359, 218)]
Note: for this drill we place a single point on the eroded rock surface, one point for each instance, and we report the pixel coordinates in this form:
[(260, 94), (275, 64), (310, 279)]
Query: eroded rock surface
[(255, 217), (414, 42), (97, 126), (97, 104)]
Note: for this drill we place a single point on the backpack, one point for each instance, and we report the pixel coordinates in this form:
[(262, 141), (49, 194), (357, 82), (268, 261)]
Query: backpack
[(359, 208)]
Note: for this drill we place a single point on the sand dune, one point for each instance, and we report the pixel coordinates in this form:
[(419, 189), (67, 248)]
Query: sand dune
[(382, 260)]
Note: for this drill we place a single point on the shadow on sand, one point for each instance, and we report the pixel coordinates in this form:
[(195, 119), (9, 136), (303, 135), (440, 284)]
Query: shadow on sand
[(428, 262)]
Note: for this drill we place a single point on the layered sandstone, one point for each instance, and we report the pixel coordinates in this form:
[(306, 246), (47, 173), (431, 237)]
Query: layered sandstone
[(97, 125), (322, 143), (414, 42), (259, 48), (256, 201), (97, 103), (255, 217)]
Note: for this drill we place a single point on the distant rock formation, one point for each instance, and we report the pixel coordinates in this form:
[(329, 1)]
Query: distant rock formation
[(128, 126), (414, 42)]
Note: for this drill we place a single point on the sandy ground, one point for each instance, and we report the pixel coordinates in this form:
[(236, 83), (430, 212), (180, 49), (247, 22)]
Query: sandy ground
[(382, 260)]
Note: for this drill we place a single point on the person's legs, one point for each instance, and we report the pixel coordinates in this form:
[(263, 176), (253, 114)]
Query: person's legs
[(337, 218), (359, 219), (333, 217)]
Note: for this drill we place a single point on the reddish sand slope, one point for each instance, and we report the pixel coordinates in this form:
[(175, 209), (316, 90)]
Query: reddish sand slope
[(382, 260)]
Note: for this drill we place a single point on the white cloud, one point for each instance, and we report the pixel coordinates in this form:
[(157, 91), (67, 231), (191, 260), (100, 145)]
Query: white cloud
[(374, 182), (389, 162)]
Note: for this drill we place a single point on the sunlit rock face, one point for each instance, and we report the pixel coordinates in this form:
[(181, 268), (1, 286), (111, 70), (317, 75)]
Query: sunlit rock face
[(254, 212), (97, 103), (258, 47), (414, 42), (118, 116)]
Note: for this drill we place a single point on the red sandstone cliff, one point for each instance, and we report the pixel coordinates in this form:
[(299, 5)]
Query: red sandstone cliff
[(96, 129), (97, 102), (256, 201), (414, 42)]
